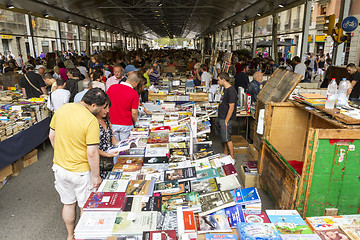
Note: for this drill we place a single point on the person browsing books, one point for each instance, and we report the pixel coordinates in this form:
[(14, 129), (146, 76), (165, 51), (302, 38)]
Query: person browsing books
[(124, 109), (226, 113), (107, 139), (75, 141)]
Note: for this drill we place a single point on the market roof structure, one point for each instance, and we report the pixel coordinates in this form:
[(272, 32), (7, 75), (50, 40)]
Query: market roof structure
[(156, 18)]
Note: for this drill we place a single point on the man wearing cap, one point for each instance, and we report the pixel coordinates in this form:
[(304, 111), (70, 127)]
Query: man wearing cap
[(129, 69), (32, 85), (124, 105)]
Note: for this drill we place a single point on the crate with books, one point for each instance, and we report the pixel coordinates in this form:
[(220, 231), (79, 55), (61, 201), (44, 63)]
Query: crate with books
[(158, 190)]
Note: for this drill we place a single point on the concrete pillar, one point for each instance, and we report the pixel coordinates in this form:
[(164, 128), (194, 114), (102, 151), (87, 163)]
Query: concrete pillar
[(305, 31), (88, 47), (31, 32), (253, 50)]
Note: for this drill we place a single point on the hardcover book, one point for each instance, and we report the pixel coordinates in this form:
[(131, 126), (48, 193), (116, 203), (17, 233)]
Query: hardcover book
[(140, 203), (258, 231), (113, 186), (229, 169), (171, 186), (181, 174), (288, 222), (140, 187), (160, 235), (104, 201), (333, 234), (188, 201), (213, 223), (215, 201), (209, 236), (252, 165), (204, 186), (134, 223)]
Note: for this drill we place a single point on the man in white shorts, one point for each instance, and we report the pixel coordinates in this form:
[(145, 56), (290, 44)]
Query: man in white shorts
[(75, 135)]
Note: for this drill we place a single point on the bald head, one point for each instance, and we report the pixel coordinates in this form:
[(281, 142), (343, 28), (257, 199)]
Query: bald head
[(41, 71), (258, 76), (133, 79)]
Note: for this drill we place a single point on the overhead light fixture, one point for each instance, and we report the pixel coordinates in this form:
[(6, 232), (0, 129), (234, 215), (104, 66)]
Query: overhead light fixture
[(10, 6), (156, 11), (69, 21), (85, 24), (281, 5), (158, 15), (259, 14), (46, 15), (160, 4), (244, 20)]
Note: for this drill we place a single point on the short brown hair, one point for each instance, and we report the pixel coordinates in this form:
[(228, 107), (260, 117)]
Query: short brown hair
[(224, 75)]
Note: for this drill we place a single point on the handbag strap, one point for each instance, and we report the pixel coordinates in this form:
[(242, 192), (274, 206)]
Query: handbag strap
[(32, 84)]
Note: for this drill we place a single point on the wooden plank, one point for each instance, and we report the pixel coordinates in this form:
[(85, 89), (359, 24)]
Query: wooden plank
[(278, 178), (339, 134), (311, 171), (339, 116)]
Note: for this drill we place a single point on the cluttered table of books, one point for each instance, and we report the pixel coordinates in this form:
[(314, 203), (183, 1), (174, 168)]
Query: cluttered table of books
[(169, 183), (17, 116)]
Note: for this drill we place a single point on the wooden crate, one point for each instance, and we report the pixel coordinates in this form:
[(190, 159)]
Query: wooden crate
[(157, 96), (199, 97), (330, 162)]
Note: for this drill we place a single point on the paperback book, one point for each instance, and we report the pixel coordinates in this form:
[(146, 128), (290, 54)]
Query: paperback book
[(140, 203), (157, 150), (250, 195), (351, 230), (229, 182), (213, 223), (258, 231), (178, 145), (300, 237), (288, 222), (185, 187), (167, 186), (256, 218), (201, 164), (207, 174), (140, 187), (160, 235), (210, 236), (179, 151), (181, 174), (113, 175), (113, 186), (189, 201), (234, 213), (333, 234), (215, 201), (183, 164), (156, 160), (167, 220), (127, 223), (205, 186), (124, 145), (186, 221), (158, 137), (104, 201)]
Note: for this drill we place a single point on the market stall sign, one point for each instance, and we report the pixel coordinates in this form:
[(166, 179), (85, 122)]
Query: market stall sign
[(320, 38), (6, 36)]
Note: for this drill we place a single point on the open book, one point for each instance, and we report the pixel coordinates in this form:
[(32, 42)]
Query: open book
[(124, 145)]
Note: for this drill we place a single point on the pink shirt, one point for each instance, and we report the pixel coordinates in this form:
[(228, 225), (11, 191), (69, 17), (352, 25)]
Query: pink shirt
[(62, 72), (111, 81)]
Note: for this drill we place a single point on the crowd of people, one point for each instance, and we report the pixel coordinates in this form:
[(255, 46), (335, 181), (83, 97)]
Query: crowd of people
[(96, 101)]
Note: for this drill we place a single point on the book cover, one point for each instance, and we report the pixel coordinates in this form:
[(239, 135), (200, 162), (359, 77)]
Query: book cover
[(333, 234), (129, 176), (321, 223), (221, 160), (124, 145), (258, 231), (134, 223), (186, 221), (251, 165), (236, 194), (250, 195), (181, 174), (201, 164), (256, 218), (229, 169), (155, 160), (140, 203), (154, 168), (351, 219), (157, 150), (207, 174), (180, 145), (204, 186), (104, 201), (183, 164), (229, 182), (203, 154), (167, 220), (189, 201), (185, 187), (234, 213), (128, 164), (300, 237), (160, 235), (140, 187), (179, 152), (213, 223), (133, 152), (351, 230), (139, 131), (288, 222), (210, 236), (113, 186), (215, 201), (95, 222), (113, 175), (172, 185), (158, 137)]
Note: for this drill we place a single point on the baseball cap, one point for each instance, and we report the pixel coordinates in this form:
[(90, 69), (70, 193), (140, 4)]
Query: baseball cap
[(130, 68), (29, 66)]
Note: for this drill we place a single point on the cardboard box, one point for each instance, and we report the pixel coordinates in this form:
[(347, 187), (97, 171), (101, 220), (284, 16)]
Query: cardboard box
[(31, 154), (5, 172), (241, 150), (17, 167), (27, 162), (241, 146), (253, 153), (249, 180), (3, 181)]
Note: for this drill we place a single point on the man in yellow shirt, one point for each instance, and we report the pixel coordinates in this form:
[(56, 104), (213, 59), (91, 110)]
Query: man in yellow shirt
[(75, 135)]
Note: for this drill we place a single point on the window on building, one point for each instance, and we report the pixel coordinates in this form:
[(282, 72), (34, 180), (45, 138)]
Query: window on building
[(323, 9)]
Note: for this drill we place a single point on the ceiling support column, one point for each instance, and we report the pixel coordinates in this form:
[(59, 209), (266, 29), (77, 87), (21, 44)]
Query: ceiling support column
[(305, 31)]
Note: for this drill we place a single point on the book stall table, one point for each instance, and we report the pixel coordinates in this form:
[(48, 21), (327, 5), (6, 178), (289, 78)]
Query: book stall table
[(24, 126), (173, 185)]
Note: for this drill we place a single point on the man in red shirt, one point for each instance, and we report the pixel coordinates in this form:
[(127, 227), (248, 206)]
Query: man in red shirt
[(124, 106)]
